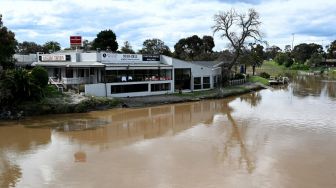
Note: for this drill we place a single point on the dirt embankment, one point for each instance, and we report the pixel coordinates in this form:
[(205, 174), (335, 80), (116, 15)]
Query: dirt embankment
[(75, 103), (138, 102)]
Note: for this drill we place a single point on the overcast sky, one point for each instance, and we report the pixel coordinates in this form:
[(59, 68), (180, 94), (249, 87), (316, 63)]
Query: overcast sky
[(168, 20)]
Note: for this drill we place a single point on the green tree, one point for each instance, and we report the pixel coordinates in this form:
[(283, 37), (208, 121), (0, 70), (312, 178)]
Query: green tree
[(7, 46), (332, 50), (195, 48), (16, 85), (188, 48), (271, 52), (284, 59), (303, 52), (155, 46), (207, 44), (257, 53), (51, 46), (127, 48), (315, 60), (87, 45), (252, 57), (40, 76), (106, 40), (29, 48)]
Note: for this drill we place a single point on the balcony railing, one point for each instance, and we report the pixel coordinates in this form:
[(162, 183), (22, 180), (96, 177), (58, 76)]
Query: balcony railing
[(78, 80)]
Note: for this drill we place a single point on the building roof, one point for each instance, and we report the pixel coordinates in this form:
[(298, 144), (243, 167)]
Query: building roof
[(69, 64), (209, 64)]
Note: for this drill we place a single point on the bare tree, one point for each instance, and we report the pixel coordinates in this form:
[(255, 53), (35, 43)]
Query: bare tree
[(237, 27)]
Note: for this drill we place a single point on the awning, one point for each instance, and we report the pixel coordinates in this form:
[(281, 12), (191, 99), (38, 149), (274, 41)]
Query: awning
[(68, 64)]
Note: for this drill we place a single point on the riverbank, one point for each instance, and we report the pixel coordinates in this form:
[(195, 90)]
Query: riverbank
[(75, 103), (138, 102)]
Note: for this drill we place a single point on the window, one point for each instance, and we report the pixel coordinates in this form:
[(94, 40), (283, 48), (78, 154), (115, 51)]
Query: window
[(182, 78), (165, 74), (80, 73), (137, 75), (129, 88), (160, 87), (69, 73), (197, 83), (215, 81), (92, 71), (111, 76), (206, 82)]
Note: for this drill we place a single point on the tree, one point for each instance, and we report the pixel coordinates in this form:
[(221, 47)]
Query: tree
[(332, 50), (195, 48), (17, 85), (272, 51), (155, 46), (106, 40), (227, 23), (288, 48), (40, 76), (7, 46), (284, 59), (208, 44), (29, 48), (51, 46), (253, 56), (257, 53), (188, 48), (314, 60), (87, 45), (303, 52), (127, 48)]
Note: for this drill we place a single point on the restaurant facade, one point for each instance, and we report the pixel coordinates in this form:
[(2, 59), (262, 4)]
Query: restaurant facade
[(127, 75)]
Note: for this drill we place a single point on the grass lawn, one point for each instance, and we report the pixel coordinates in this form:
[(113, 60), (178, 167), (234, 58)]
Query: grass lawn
[(255, 79), (272, 68)]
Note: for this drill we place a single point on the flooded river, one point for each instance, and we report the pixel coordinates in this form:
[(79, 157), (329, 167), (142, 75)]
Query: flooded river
[(282, 137)]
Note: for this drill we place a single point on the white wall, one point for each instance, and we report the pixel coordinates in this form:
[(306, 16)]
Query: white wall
[(88, 57), (99, 89), (95, 90), (196, 71)]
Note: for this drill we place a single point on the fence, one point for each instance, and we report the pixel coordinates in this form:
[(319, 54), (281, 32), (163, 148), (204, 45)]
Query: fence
[(237, 82)]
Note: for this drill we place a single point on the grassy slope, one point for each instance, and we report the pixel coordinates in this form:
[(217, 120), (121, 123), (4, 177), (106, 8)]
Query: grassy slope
[(258, 79)]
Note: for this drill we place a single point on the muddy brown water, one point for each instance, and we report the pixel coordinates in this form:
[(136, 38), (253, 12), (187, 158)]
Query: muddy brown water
[(284, 137)]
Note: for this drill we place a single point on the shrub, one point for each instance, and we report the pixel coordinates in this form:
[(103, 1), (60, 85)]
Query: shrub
[(239, 76), (265, 75), (40, 76), (298, 66), (289, 63)]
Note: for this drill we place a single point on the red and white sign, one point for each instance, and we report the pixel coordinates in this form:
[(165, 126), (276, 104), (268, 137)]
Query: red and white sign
[(75, 40), (49, 57)]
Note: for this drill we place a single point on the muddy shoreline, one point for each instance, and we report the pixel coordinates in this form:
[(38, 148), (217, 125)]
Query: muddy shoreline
[(146, 101), (86, 104)]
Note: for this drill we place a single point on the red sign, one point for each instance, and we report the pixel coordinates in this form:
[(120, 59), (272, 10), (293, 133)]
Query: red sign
[(76, 40)]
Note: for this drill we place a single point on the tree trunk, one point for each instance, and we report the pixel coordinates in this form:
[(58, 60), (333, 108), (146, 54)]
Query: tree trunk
[(253, 70)]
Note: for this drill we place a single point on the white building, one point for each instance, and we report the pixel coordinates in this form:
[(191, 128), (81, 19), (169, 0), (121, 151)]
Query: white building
[(127, 75)]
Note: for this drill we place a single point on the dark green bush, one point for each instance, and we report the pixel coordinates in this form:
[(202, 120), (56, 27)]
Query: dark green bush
[(40, 76), (239, 76), (265, 75)]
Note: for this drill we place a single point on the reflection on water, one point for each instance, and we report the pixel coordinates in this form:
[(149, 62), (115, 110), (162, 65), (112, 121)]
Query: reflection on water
[(271, 138), (314, 86)]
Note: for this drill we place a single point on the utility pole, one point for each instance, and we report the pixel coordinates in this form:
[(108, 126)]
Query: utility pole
[(293, 41)]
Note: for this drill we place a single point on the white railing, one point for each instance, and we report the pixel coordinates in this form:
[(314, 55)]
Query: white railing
[(56, 83), (237, 82), (79, 80)]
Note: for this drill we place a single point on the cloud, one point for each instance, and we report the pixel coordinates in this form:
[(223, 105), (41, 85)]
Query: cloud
[(169, 20)]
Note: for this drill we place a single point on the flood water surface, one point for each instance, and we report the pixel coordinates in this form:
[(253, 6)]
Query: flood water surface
[(282, 137)]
